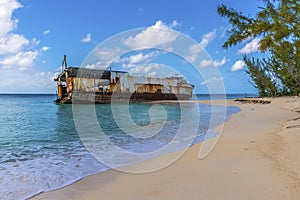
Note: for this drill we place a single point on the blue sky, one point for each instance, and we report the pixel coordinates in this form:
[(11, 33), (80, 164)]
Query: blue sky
[(35, 34)]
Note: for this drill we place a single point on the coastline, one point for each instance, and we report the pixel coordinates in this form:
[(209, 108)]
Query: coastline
[(255, 158)]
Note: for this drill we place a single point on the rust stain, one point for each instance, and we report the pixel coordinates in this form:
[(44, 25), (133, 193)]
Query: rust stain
[(99, 86)]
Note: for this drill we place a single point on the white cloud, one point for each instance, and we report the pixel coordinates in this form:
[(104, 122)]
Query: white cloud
[(12, 43), (139, 64), (207, 38), (238, 65), (195, 49), (140, 58), (212, 80), (175, 24), (50, 76), (223, 30), (155, 35), (17, 53), (35, 42), (106, 56), (107, 53), (14, 82), (46, 32), (45, 48), (153, 69), (22, 60), (98, 65), (8, 24), (252, 46), (193, 52), (87, 38), (137, 58), (9, 42), (213, 63)]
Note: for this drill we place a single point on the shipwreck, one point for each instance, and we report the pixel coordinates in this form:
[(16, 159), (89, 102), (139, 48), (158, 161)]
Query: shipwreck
[(84, 85)]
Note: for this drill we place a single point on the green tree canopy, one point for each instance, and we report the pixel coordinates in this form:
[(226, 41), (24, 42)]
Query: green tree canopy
[(277, 25)]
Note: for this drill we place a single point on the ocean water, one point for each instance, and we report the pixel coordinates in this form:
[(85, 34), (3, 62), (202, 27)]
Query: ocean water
[(43, 146), (221, 96)]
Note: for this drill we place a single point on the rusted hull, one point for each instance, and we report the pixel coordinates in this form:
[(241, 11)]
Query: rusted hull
[(90, 97), (82, 85)]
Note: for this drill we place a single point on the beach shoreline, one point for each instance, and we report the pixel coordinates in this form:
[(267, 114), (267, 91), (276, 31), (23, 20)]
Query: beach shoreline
[(255, 158)]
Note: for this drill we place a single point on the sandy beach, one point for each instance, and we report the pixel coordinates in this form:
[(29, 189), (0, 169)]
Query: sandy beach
[(256, 157)]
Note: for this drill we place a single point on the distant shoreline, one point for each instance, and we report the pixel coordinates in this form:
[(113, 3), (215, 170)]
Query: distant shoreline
[(230, 95), (27, 94)]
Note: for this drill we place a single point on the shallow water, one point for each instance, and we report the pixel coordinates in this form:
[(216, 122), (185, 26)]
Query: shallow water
[(40, 148)]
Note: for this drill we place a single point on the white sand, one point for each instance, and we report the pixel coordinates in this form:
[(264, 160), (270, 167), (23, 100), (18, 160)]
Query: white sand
[(256, 157)]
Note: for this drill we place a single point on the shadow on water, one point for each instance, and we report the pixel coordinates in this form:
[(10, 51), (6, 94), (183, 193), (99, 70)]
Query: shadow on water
[(138, 123)]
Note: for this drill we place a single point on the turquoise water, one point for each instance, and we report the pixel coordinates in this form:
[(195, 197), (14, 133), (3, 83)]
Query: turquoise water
[(40, 148)]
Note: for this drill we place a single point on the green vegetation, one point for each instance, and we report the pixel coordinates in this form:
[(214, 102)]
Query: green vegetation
[(277, 24)]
